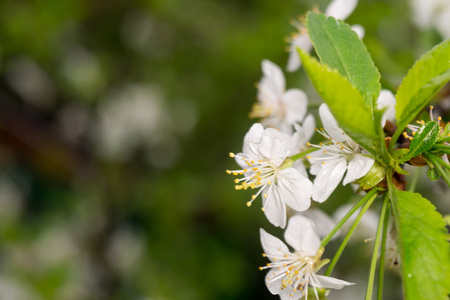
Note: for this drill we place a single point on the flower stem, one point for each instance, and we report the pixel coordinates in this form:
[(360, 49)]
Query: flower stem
[(338, 226), (336, 257), (376, 248), (303, 153), (383, 252), (437, 165), (442, 162), (441, 146)]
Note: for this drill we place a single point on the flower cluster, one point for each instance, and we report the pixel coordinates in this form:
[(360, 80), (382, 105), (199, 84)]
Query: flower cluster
[(287, 171)]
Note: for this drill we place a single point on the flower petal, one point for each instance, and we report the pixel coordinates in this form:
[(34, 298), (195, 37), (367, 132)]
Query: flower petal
[(301, 235), (295, 105), (309, 124), (341, 9), (272, 246), (251, 141), (330, 282), (330, 124), (295, 189), (303, 42), (274, 286), (328, 178), (387, 100), (274, 208), (360, 31), (323, 222), (274, 73), (358, 167), (275, 146)]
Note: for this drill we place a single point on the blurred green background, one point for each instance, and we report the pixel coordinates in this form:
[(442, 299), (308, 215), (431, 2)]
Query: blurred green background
[(116, 119)]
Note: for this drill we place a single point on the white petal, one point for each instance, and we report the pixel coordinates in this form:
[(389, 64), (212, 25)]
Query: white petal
[(309, 124), (360, 31), (387, 99), (275, 146), (272, 246), (302, 41), (274, 286), (295, 105), (330, 124), (323, 222), (301, 235), (299, 166), (341, 9), (275, 74), (328, 178), (358, 167), (275, 209), (295, 189), (251, 141), (331, 283)]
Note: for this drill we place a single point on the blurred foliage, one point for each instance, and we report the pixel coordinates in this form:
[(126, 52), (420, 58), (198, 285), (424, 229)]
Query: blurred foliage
[(116, 118)]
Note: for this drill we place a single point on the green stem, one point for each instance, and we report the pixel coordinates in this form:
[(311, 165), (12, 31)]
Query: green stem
[(383, 253), (303, 153), (349, 234), (442, 162), (441, 146), (394, 139), (436, 164), (376, 248), (347, 216)]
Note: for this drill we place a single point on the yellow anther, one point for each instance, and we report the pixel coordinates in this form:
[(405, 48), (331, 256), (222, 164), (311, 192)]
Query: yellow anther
[(263, 209), (286, 256), (236, 180), (260, 161), (264, 255), (269, 182), (265, 195), (439, 118), (431, 106), (321, 129), (308, 143), (249, 203), (323, 163), (235, 173), (260, 268), (308, 157), (244, 171), (321, 144), (255, 169), (325, 151), (253, 197), (228, 172), (231, 154)]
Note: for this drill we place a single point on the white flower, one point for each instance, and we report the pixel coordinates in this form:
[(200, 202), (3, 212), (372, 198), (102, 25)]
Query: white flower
[(432, 13), (387, 100), (332, 160), (300, 139), (266, 167), (339, 9), (279, 108), (292, 273)]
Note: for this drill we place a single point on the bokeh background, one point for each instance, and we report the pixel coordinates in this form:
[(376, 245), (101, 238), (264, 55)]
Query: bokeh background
[(116, 119)]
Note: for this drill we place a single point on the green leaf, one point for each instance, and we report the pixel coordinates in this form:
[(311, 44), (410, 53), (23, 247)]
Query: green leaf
[(423, 248), (423, 140), (422, 82), (339, 47), (345, 102)]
